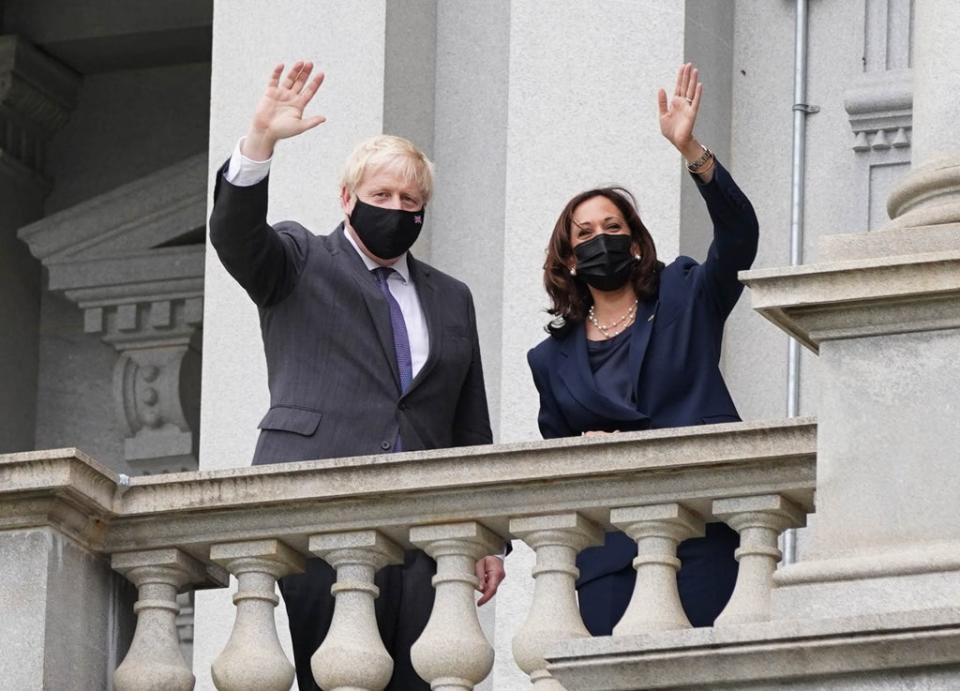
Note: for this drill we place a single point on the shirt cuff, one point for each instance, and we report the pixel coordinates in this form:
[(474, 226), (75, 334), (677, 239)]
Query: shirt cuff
[(243, 171)]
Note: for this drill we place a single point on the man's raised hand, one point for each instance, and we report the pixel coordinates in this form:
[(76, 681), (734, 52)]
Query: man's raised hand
[(279, 113)]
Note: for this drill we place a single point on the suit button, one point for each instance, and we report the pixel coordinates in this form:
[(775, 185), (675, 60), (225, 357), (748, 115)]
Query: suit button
[(402, 406), (385, 445)]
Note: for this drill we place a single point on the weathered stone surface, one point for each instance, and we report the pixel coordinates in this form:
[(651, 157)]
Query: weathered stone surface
[(67, 618)]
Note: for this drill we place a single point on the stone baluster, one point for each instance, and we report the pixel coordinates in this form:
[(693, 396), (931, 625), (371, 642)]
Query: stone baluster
[(253, 659), (658, 529), (352, 657), (154, 661), (554, 615), (452, 653), (759, 520)]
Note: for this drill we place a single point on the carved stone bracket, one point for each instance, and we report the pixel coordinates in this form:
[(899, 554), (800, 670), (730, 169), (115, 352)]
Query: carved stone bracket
[(880, 109), (132, 260), (879, 104), (37, 95)]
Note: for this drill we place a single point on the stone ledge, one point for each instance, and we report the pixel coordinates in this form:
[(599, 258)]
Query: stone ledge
[(62, 488), (860, 297), (932, 558), (775, 652)]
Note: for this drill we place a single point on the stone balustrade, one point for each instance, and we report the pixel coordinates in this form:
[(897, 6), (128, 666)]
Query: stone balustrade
[(169, 533)]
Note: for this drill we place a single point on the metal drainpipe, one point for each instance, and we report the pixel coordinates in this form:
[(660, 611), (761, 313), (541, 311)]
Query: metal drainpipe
[(800, 111)]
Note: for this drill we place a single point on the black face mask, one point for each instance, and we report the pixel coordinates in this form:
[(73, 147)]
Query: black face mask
[(387, 233), (605, 262)]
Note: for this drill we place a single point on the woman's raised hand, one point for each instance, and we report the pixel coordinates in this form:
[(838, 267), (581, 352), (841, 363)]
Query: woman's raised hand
[(679, 115), (279, 113)]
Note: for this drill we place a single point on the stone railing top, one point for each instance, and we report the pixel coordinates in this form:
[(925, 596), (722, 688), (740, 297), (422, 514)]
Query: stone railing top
[(491, 484)]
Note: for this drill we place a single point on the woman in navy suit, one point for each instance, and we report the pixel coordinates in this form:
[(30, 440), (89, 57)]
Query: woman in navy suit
[(636, 345)]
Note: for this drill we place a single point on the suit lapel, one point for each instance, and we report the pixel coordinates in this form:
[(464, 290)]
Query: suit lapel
[(430, 304), (640, 334), (577, 376), (377, 306)]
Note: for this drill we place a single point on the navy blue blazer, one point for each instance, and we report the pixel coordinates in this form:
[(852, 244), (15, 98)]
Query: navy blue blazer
[(674, 348)]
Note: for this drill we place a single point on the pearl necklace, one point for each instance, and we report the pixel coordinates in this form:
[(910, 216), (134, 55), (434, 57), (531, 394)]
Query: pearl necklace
[(606, 328)]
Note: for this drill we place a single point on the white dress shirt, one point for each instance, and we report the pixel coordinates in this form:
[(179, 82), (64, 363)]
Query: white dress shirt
[(245, 172)]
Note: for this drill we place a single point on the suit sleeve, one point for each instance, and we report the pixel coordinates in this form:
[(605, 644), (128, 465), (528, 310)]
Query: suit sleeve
[(471, 425), (735, 238), (267, 262), (550, 419)]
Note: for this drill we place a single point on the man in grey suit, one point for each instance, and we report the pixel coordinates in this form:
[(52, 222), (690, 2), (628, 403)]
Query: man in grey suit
[(368, 350)]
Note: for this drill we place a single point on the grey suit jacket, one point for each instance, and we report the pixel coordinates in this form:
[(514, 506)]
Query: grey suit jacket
[(334, 385)]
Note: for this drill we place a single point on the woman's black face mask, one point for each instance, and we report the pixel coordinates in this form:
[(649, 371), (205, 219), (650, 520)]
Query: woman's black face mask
[(605, 262), (387, 233)]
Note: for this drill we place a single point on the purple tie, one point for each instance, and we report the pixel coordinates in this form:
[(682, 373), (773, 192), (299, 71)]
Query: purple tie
[(401, 344)]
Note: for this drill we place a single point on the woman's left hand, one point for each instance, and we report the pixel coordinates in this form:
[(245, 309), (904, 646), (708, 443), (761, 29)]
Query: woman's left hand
[(677, 120)]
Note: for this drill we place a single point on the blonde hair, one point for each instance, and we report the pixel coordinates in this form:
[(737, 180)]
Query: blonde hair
[(392, 152)]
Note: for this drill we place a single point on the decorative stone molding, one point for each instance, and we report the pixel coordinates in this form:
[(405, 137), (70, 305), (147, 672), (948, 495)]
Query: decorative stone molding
[(861, 297), (37, 95), (880, 108), (132, 260), (879, 105)]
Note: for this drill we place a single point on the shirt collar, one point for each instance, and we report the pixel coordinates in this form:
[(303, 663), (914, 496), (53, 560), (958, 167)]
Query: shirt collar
[(400, 266)]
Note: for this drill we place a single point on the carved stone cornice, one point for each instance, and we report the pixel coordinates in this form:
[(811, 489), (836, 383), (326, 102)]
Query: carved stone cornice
[(37, 95), (860, 297)]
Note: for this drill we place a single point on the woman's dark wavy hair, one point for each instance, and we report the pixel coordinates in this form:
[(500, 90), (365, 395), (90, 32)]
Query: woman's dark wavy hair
[(570, 297)]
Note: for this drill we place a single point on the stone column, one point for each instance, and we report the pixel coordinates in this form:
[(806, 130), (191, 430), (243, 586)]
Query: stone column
[(554, 614), (452, 653), (930, 194), (658, 529), (154, 661), (36, 97), (253, 659), (352, 657)]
